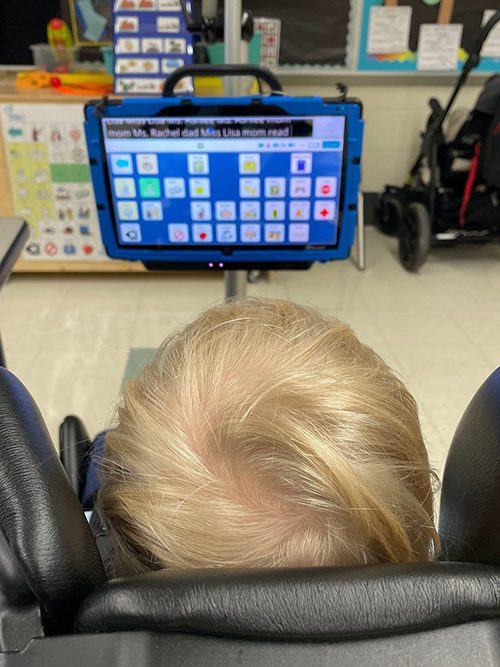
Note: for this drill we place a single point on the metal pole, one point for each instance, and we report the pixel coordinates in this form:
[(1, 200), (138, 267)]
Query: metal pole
[(2, 355), (360, 235), (236, 281)]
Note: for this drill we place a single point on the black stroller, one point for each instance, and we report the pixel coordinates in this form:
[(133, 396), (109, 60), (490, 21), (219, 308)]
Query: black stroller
[(453, 190)]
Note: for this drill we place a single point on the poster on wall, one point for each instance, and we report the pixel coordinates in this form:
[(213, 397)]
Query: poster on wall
[(50, 180), (425, 35)]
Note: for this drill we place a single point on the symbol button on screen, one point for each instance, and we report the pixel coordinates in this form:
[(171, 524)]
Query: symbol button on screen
[(300, 210), (249, 188), (121, 163), (199, 188), (225, 210), (250, 210), (301, 163), (298, 233), (300, 187), (152, 210), (150, 188), (275, 187), (226, 233), (198, 164), (250, 233), (202, 233), (324, 210), (178, 233), (127, 210), (125, 188), (326, 187), (130, 233), (249, 163), (201, 210), (275, 233), (147, 163), (275, 210), (175, 188)]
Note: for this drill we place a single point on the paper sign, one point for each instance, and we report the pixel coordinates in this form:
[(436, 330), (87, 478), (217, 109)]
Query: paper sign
[(491, 48), (438, 46), (389, 29)]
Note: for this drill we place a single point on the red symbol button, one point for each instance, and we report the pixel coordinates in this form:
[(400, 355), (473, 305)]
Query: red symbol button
[(324, 212), (88, 249), (325, 189), (203, 236), (51, 248)]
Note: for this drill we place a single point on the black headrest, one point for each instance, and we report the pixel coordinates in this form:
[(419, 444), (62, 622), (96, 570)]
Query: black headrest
[(314, 603), (40, 515), (470, 498)]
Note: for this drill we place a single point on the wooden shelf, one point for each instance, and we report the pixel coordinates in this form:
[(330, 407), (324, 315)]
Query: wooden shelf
[(77, 266)]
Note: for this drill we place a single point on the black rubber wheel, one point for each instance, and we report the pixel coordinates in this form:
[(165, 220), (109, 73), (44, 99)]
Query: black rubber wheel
[(389, 215), (415, 237)]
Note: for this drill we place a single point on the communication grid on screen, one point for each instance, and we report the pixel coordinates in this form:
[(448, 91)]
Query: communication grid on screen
[(225, 181)]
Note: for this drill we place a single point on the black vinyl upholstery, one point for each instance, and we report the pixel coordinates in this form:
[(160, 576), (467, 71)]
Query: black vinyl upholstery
[(74, 452), (307, 604), (469, 522), (40, 516)]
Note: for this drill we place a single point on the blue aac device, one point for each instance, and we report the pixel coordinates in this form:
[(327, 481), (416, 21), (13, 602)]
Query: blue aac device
[(261, 182)]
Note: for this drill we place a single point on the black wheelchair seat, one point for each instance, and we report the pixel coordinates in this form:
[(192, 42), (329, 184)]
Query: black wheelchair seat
[(56, 607)]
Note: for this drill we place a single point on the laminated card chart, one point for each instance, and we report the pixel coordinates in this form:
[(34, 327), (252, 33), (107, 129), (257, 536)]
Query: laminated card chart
[(151, 41), (50, 180)]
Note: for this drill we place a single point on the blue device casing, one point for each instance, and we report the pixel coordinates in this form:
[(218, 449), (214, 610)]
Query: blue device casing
[(239, 257)]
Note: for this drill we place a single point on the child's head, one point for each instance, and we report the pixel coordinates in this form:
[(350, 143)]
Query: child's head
[(265, 434)]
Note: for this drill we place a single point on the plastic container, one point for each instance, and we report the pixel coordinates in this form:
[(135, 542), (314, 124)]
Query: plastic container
[(108, 55), (55, 59), (216, 51)]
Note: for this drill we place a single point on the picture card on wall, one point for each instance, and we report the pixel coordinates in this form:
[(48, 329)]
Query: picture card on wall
[(389, 29), (491, 48), (438, 46)]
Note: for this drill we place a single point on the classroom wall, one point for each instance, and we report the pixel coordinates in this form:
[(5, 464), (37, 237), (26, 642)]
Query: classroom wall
[(395, 111)]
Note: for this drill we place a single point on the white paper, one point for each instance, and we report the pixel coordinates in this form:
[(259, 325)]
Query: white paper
[(438, 46), (491, 48), (389, 30)]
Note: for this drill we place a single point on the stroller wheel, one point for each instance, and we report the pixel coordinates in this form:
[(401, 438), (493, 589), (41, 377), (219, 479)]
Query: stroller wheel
[(415, 237), (389, 214)]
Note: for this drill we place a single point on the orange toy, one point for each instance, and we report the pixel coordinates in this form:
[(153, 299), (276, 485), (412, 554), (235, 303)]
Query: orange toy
[(91, 83)]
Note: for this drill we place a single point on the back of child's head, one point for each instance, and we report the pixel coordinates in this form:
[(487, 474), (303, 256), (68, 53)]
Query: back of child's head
[(263, 435)]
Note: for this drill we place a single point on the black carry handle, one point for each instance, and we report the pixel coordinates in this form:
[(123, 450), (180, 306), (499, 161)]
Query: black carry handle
[(260, 73)]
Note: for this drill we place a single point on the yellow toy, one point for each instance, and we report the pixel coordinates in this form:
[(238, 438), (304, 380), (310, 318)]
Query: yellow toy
[(58, 34)]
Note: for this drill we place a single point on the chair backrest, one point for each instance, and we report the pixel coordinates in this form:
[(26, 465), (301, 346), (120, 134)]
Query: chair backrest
[(40, 516), (469, 523)]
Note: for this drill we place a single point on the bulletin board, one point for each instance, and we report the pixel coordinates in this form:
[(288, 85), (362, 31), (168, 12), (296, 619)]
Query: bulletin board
[(313, 33), (425, 35)]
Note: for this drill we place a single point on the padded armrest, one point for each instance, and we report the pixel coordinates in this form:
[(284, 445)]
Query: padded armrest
[(40, 515), (470, 498), (314, 603)]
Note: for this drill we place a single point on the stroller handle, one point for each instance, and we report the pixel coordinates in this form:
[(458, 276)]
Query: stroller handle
[(482, 37)]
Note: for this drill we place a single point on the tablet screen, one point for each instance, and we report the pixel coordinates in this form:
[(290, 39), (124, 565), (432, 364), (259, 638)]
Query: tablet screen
[(225, 181)]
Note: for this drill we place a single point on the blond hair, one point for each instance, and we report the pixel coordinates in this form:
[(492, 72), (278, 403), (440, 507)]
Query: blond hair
[(265, 434)]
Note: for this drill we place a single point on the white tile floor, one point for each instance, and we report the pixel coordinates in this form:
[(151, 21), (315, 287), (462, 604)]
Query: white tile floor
[(68, 337)]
